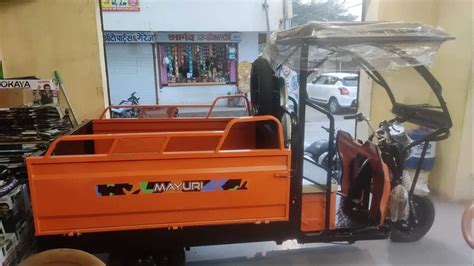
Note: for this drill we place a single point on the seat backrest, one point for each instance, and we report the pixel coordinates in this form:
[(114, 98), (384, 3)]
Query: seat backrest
[(349, 151)]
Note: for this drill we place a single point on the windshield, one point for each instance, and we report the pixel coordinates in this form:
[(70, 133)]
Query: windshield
[(350, 81)]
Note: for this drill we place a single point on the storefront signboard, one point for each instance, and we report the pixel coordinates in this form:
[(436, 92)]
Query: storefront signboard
[(120, 5), (198, 37), (129, 37)]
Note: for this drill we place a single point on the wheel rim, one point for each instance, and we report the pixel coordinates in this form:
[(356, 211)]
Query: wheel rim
[(333, 106), (410, 225)]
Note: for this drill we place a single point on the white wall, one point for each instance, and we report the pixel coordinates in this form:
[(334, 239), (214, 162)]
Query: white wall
[(451, 175), (196, 15), (248, 46), (194, 94)]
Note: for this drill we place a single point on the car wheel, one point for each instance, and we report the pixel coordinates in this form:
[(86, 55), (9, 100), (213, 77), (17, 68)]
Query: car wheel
[(417, 225), (334, 106)]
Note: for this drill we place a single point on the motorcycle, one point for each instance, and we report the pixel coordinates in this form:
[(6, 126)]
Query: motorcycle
[(318, 151), (127, 112)]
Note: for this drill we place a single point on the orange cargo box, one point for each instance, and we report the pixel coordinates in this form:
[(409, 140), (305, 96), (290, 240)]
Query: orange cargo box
[(314, 207), (120, 180)]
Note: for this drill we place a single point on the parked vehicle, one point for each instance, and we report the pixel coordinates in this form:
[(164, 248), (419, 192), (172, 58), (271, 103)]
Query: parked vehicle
[(318, 152), (336, 90), (137, 188), (127, 112)]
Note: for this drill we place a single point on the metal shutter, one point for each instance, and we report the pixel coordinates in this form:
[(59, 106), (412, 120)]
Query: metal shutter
[(130, 68)]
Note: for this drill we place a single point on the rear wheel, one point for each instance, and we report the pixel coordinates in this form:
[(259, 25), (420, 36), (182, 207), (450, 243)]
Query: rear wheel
[(419, 222), (334, 106)]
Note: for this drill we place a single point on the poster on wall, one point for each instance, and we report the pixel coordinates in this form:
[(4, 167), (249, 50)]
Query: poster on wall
[(120, 5), (45, 91)]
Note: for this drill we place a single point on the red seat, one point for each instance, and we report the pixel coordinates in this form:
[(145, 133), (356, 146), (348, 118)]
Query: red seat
[(353, 156)]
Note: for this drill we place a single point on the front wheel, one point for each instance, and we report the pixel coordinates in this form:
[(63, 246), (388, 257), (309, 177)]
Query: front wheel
[(419, 222)]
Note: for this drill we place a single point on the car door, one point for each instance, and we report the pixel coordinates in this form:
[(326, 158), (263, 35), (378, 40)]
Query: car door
[(328, 89), (315, 88)]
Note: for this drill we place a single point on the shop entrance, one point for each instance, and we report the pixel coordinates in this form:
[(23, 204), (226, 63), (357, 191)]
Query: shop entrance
[(131, 69)]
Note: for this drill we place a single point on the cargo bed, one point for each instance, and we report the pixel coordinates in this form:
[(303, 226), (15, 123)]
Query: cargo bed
[(128, 174)]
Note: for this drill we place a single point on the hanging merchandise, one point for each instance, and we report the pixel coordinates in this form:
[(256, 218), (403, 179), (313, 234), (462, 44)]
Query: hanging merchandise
[(169, 54), (199, 63), (211, 51), (181, 58), (232, 53), (190, 62), (176, 63), (205, 55), (196, 60)]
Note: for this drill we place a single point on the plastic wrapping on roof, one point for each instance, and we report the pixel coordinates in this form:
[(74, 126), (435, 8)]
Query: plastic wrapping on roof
[(378, 45)]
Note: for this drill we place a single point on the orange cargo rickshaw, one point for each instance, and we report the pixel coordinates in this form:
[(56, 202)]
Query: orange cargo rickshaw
[(153, 186)]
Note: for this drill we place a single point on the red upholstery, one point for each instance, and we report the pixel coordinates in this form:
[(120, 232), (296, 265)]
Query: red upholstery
[(349, 150)]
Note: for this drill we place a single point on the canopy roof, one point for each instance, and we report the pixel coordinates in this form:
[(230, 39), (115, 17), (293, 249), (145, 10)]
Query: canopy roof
[(379, 43)]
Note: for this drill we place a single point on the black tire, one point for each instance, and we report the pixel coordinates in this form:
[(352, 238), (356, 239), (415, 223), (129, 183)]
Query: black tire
[(317, 148), (333, 106), (415, 229), (265, 89)]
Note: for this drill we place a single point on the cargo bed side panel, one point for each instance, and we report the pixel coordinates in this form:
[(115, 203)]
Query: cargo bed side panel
[(79, 194)]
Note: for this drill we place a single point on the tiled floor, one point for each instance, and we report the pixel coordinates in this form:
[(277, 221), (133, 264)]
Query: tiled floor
[(443, 245)]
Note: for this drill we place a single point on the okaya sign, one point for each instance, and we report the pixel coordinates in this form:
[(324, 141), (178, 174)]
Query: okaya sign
[(34, 84)]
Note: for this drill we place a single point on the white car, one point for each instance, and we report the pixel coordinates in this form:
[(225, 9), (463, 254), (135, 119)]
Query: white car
[(337, 90)]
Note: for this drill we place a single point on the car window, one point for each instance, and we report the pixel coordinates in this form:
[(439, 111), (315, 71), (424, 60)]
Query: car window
[(321, 80), (350, 81), (331, 81)]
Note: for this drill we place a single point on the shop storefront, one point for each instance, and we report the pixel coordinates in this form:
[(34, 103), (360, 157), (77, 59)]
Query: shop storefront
[(177, 67), (195, 67)]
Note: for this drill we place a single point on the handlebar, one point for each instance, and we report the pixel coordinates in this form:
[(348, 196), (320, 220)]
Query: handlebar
[(347, 117), (325, 128), (359, 117)]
